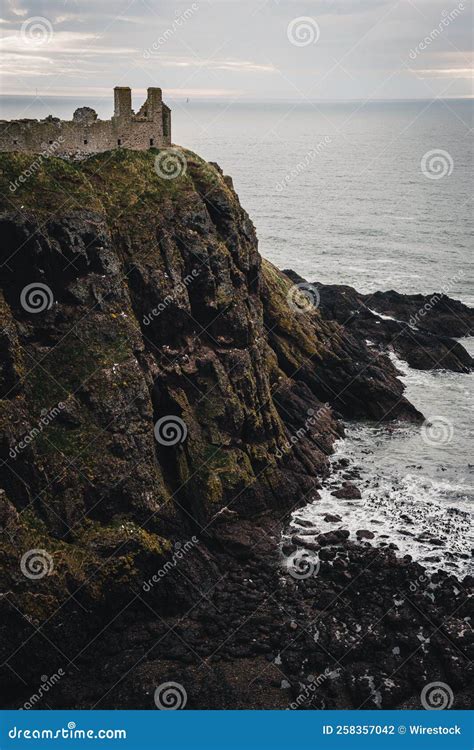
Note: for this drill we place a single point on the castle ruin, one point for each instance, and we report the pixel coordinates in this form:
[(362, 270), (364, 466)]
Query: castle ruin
[(85, 134)]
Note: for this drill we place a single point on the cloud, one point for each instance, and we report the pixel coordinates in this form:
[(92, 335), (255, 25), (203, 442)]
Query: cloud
[(59, 41), (445, 73), (208, 93), (245, 66), (228, 46)]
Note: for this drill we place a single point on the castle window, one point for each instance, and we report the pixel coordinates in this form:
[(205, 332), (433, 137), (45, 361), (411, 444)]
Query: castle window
[(152, 141), (119, 142), (50, 142), (15, 143), (85, 141)]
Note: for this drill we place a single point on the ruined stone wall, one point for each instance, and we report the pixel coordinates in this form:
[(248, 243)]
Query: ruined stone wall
[(85, 134)]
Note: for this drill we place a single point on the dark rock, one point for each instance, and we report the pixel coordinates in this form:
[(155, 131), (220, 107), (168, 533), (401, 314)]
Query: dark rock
[(365, 534), (421, 329), (303, 522), (348, 491), (302, 541), (333, 537), (8, 514)]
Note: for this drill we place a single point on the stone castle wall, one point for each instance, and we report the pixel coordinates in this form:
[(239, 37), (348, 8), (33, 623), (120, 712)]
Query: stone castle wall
[(86, 134)]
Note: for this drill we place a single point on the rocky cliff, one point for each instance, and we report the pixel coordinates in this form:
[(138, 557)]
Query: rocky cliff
[(162, 389)]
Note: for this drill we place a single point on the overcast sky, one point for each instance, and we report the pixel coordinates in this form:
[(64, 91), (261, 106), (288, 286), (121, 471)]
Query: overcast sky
[(273, 49)]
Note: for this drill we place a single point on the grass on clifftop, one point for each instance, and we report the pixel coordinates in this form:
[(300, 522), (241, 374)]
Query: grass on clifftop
[(113, 182), (42, 186)]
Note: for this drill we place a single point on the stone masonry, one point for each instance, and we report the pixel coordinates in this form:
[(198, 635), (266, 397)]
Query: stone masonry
[(85, 134)]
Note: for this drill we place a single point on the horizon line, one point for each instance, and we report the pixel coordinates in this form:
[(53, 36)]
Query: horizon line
[(244, 100)]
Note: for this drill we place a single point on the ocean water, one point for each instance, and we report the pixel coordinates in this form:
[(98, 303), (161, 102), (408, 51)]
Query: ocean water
[(337, 191), (378, 196)]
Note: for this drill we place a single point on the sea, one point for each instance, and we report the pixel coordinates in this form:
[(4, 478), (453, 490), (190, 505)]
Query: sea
[(377, 195)]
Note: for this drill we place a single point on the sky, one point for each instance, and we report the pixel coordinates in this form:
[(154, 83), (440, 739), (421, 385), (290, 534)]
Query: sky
[(239, 49)]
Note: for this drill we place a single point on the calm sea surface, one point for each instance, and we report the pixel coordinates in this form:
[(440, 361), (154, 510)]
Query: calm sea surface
[(378, 196), (337, 191)]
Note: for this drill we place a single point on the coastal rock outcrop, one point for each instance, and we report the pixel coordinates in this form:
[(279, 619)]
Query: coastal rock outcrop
[(161, 402), (420, 329)]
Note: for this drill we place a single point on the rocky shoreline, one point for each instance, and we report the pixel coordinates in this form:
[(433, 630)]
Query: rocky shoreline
[(367, 630), (420, 329), (132, 556)]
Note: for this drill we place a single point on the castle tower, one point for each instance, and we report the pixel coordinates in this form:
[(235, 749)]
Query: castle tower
[(154, 103), (123, 102), (152, 107)]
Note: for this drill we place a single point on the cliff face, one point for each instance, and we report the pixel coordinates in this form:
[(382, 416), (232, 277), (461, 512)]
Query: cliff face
[(154, 304)]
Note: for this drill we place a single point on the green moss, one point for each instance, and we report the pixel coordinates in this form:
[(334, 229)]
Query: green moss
[(294, 330), (204, 173), (44, 186), (73, 361), (70, 442), (119, 181), (122, 530), (100, 562), (222, 470), (127, 179)]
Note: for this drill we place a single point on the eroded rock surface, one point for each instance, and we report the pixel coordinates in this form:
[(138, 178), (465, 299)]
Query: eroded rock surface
[(420, 329), (155, 305)]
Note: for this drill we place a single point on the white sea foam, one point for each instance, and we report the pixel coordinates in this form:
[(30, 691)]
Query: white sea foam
[(412, 512), (417, 496), (382, 316)]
